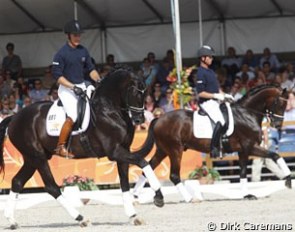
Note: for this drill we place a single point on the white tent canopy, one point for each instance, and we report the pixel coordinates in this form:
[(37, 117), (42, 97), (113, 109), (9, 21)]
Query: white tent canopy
[(129, 29)]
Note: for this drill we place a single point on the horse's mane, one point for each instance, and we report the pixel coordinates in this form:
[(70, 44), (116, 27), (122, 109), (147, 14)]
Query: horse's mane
[(257, 89)]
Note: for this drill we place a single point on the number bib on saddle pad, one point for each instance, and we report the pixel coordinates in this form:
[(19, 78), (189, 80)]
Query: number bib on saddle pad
[(56, 117), (203, 127)]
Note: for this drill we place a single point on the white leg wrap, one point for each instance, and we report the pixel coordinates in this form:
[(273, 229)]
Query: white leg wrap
[(128, 204), (68, 207), (184, 193), (152, 179), (10, 207), (139, 185), (244, 187), (282, 164)]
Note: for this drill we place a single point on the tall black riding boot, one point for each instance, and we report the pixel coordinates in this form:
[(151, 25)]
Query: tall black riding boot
[(215, 142)]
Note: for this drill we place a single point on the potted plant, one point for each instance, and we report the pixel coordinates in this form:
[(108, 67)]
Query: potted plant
[(204, 175), (83, 183)]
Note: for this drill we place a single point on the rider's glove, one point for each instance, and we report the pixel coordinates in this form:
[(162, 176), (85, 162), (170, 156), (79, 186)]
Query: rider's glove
[(218, 96), (78, 91), (229, 97)]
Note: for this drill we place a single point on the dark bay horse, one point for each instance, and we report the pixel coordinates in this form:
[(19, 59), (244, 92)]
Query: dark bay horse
[(173, 133), (117, 105)]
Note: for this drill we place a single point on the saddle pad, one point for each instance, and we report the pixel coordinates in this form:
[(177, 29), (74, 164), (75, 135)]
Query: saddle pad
[(203, 127), (56, 117)]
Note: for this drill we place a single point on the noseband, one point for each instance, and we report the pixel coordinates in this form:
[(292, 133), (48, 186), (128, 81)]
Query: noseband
[(271, 114), (135, 108)]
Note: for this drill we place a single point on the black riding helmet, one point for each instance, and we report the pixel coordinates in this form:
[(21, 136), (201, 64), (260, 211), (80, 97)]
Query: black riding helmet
[(206, 50), (73, 27)]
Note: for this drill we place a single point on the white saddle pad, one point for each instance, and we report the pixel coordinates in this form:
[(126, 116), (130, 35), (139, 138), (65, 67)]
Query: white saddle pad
[(56, 117), (203, 127)]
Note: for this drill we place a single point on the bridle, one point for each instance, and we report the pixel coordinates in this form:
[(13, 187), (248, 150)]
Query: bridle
[(273, 116)]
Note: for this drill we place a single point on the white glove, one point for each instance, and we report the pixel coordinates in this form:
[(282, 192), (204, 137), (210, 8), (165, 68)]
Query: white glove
[(229, 97), (219, 96)]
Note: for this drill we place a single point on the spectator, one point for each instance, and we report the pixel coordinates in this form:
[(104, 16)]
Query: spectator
[(235, 91), (53, 93), (5, 88), (271, 58), (13, 104), (251, 60), (48, 79), (5, 111), (231, 62), (110, 60), (8, 79), (157, 93), (158, 112), (152, 59), (38, 93), (166, 103), (148, 73), (149, 103), (170, 58), (27, 101), (164, 71), (12, 62), (290, 108), (245, 69), (269, 75)]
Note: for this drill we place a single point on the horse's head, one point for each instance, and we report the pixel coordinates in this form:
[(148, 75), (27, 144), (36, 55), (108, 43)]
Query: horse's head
[(276, 107), (267, 100), (135, 96), (125, 91)]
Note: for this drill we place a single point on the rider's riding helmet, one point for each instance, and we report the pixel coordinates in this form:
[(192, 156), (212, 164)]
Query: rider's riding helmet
[(73, 27), (206, 50)]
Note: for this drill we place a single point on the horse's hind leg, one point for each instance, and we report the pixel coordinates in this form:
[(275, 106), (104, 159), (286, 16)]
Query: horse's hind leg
[(175, 160), (18, 182), (154, 162), (53, 189)]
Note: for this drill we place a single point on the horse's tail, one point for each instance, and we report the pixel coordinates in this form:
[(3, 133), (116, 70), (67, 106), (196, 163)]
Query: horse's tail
[(148, 143), (3, 127)]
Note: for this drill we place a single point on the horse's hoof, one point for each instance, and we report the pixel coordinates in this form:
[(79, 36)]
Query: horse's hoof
[(159, 202), (288, 182), (136, 221), (84, 223), (250, 197), (14, 226)]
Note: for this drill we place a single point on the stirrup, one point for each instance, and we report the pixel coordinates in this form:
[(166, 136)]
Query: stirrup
[(66, 154)]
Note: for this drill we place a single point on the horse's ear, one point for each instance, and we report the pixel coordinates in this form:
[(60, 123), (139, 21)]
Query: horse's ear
[(285, 93)]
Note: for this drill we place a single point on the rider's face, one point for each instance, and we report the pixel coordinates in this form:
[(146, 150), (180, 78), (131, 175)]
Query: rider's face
[(75, 39)]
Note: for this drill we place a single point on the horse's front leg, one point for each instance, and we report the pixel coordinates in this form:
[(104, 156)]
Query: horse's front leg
[(123, 169), (243, 161), (121, 155), (283, 172)]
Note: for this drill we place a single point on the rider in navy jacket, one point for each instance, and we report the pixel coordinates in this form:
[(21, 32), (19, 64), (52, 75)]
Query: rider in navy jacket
[(68, 68)]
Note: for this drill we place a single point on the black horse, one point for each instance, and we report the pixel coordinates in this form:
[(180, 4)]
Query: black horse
[(117, 104), (173, 133)]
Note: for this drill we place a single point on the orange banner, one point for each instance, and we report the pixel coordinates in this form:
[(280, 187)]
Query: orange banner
[(101, 170)]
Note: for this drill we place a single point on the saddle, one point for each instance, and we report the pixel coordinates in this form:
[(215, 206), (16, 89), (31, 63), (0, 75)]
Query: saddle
[(203, 124), (56, 116)]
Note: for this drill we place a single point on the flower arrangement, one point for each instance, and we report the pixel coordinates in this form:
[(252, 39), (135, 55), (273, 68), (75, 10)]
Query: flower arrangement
[(205, 172), (84, 183), (184, 89)]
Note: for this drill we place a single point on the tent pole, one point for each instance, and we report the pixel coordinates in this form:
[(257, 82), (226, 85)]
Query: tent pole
[(75, 11), (178, 57), (200, 23)]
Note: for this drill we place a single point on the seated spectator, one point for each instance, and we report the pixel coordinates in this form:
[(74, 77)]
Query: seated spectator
[(251, 60), (38, 93), (13, 103), (12, 62), (235, 91), (245, 69), (166, 103), (148, 73), (5, 111), (271, 58), (8, 79), (105, 70), (110, 60), (5, 89), (149, 103), (157, 93), (170, 58), (163, 72), (231, 62), (27, 101), (259, 79), (269, 75), (48, 79), (152, 59), (53, 93), (192, 104)]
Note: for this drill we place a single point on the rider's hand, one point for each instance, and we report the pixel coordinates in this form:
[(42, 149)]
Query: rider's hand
[(78, 91), (218, 96), (229, 97)]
